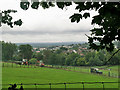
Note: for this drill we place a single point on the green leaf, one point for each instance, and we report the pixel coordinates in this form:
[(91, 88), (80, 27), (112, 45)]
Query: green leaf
[(85, 15), (96, 5), (51, 4), (10, 24), (24, 5), (97, 31), (80, 6), (60, 4), (6, 18), (10, 18), (90, 40), (44, 4), (68, 3), (88, 5), (97, 20), (76, 17), (72, 19), (35, 5), (18, 22)]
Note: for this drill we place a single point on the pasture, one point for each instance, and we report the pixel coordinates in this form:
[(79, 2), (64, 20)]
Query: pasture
[(42, 75), (111, 71)]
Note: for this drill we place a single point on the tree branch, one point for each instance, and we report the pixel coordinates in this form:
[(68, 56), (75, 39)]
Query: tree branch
[(113, 55)]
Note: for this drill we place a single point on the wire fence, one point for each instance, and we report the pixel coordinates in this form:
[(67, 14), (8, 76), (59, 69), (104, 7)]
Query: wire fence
[(15, 65), (86, 69), (65, 85)]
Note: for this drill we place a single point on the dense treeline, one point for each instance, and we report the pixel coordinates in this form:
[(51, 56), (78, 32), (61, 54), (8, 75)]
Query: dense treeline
[(12, 52), (95, 58), (58, 57), (8, 50)]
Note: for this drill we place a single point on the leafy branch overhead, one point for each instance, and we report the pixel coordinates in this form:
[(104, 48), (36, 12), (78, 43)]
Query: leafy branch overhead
[(108, 19), (7, 19)]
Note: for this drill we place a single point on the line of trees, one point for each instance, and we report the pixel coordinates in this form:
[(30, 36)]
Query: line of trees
[(95, 58), (13, 52), (8, 50)]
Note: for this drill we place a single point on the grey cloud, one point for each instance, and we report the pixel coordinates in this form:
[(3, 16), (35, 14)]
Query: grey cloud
[(42, 32)]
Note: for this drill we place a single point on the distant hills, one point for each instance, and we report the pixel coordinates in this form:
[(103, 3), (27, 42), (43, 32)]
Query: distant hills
[(44, 45), (41, 45)]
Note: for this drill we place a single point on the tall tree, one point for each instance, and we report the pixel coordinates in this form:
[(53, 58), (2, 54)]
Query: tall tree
[(81, 61), (8, 50), (53, 59), (46, 55), (26, 51), (61, 59), (71, 59), (39, 56)]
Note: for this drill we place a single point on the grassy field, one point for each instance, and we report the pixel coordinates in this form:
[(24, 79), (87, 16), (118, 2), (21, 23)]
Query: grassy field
[(111, 71), (12, 75), (105, 69)]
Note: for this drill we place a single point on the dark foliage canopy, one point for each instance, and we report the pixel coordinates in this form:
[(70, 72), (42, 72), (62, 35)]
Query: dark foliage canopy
[(7, 19), (26, 51)]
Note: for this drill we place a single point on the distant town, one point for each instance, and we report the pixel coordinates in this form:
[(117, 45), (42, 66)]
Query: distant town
[(76, 54), (73, 48)]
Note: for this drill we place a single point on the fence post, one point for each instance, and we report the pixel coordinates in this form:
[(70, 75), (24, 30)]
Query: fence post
[(103, 85), (65, 86), (83, 85), (50, 85), (21, 88), (35, 86)]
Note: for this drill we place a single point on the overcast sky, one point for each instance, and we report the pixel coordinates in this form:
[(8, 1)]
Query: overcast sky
[(49, 25)]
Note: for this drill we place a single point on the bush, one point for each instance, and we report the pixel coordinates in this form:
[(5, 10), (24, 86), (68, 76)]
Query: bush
[(33, 60)]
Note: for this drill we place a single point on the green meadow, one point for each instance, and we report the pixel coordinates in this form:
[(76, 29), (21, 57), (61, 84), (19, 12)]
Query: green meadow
[(107, 70), (43, 75)]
